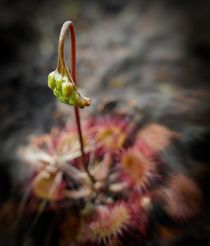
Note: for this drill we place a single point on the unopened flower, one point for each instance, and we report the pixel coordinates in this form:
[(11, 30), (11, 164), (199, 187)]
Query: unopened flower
[(65, 90)]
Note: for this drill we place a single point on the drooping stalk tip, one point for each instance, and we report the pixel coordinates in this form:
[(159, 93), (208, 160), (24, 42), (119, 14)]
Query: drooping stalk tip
[(60, 80)]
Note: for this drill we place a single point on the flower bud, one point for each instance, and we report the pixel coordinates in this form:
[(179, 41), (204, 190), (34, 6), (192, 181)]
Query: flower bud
[(61, 99), (59, 82), (67, 89), (56, 93), (51, 80), (83, 102), (75, 99)]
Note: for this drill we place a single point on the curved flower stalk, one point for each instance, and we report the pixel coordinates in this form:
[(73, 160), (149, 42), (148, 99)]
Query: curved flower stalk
[(64, 85), (60, 81)]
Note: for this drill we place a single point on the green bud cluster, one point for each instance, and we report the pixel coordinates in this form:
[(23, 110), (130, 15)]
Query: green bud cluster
[(66, 91)]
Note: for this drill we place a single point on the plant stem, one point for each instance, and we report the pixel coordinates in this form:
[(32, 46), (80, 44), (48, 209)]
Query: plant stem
[(63, 68)]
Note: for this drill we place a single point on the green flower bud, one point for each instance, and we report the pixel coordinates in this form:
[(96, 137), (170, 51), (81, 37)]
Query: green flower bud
[(56, 92), (67, 89), (59, 82), (73, 98), (51, 80), (80, 101), (62, 99), (83, 102), (66, 100)]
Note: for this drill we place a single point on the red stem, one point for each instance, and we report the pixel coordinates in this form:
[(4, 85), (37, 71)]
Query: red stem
[(73, 76)]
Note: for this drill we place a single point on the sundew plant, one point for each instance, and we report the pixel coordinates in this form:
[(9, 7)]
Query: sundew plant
[(104, 179)]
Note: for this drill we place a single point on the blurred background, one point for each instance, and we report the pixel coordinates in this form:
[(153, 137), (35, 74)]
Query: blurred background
[(156, 53)]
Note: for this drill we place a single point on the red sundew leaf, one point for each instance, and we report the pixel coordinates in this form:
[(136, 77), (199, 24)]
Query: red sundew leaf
[(156, 137), (139, 211), (49, 186), (136, 170), (111, 132), (182, 198), (105, 223)]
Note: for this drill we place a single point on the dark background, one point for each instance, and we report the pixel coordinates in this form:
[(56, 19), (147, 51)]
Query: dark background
[(155, 52)]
